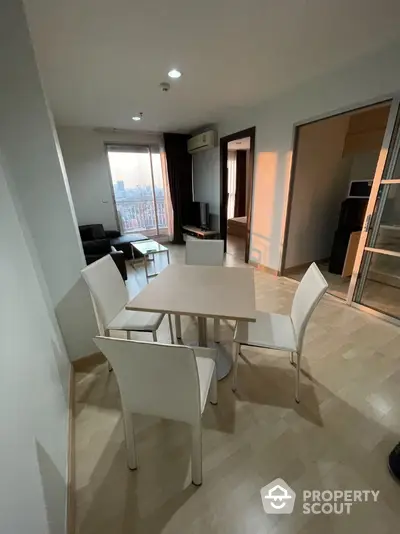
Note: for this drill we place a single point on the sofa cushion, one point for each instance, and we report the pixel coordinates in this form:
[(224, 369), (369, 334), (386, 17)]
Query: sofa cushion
[(128, 238), (89, 232), (97, 246)]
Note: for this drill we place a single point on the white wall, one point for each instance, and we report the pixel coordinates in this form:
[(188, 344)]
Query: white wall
[(88, 171), (365, 79), (320, 185), (29, 145), (33, 387), (206, 182)]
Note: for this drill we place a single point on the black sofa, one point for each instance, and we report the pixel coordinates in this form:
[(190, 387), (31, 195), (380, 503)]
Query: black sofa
[(96, 244), (118, 241)]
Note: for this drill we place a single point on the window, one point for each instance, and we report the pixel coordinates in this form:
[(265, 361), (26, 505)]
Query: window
[(138, 188)]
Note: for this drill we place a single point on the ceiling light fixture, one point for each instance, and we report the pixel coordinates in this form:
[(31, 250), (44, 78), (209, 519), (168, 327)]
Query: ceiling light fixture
[(137, 117), (174, 73)]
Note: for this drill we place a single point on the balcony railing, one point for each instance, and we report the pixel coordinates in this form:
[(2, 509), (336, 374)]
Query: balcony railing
[(139, 215)]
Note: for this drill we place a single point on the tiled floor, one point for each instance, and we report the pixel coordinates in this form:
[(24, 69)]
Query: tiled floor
[(235, 246), (338, 437), (377, 295)]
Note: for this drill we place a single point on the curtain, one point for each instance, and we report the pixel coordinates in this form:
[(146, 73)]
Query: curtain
[(231, 183), (168, 204), (241, 183), (179, 167)]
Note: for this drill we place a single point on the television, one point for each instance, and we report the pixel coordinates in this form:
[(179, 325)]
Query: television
[(200, 215)]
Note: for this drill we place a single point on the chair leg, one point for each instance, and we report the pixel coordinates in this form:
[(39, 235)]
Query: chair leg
[(297, 394), (154, 335), (178, 327), (292, 359), (107, 334), (216, 330), (196, 455), (129, 440), (171, 332), (236, 349), (214, 388)]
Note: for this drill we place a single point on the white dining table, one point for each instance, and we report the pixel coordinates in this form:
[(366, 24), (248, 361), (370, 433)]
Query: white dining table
[(202, 292)]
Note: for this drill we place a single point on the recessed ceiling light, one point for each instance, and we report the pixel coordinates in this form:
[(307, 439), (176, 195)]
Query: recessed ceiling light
[(174, 73), (137, 117)]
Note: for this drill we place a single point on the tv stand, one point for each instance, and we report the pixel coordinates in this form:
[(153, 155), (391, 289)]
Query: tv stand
[(194, 231)]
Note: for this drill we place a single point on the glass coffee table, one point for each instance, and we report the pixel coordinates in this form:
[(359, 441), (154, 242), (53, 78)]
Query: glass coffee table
[(149, 248)]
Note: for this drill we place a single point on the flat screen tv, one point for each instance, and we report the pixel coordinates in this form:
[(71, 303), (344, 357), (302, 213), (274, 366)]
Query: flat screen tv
[(200, 215)]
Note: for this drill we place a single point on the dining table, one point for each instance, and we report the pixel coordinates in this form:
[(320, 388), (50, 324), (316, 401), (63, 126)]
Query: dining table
[(203, 292)]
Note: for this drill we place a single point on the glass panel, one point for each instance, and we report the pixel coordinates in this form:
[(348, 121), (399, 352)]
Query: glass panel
[(387, 235), (133, 189), (392, 167), (159, 192), (382, 285)]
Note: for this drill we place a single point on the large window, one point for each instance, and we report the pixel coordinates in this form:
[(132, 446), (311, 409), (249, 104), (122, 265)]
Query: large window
[(138, 188)]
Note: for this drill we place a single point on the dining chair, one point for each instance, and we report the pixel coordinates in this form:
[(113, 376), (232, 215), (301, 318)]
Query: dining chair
[(203, 252), (283, 332), (166, 381), (110, 297)]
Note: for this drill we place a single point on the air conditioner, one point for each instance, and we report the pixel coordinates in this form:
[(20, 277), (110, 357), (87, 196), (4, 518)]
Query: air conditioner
[(201, 142)]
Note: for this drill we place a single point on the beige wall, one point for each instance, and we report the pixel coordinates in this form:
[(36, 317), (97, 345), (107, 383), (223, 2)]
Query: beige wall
[(320, 185), (372, 77)]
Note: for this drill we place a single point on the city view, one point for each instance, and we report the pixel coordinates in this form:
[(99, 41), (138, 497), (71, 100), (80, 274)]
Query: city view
[(137, 199)]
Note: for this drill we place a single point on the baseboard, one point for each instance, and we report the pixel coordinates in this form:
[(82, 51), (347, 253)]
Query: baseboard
[(71, 455), (263, 268), (87, 363), (302, 266)]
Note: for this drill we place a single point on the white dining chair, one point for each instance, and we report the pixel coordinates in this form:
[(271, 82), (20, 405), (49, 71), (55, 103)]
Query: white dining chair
[(110, 296), (167, 381), (203, 252), (283, 332)]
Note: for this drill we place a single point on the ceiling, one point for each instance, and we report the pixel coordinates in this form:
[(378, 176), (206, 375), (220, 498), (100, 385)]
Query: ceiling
[(103, 61), (240, 144)]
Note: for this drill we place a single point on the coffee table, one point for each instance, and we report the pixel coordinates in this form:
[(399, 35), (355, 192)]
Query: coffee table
[(199, 291), (148, 248)]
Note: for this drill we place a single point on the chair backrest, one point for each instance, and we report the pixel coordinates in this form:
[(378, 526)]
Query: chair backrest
[(155, 379), (310, 291), (107, 288), (205, 252)]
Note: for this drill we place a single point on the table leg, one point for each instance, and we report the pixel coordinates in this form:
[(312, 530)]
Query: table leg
[(202, 325), (223, 360), (223, 363)]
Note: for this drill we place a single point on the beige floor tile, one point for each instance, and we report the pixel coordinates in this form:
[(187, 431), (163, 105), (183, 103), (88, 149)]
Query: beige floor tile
[(338, 437)]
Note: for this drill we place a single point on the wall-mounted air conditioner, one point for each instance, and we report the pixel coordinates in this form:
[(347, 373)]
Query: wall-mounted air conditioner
[(200, 142)]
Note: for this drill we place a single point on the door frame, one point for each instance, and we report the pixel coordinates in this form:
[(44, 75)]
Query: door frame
[(223, 159), (388, 156), (290, 191)]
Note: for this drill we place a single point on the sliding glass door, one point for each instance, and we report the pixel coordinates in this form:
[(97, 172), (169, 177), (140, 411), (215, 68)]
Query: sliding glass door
[(138, 186), (376, 278)]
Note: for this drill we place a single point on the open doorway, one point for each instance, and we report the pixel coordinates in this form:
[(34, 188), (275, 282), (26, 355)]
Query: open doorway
[(333, 170), (237, 162)]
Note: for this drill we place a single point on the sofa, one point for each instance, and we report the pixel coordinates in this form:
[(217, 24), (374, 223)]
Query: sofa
[(96, 244), (120, 242)]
